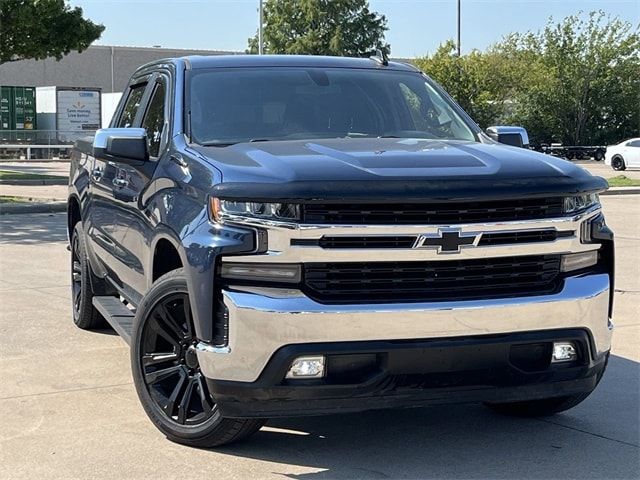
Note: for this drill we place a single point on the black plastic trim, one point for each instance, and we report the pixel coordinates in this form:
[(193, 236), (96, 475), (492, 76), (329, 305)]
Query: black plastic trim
[(271, 395)]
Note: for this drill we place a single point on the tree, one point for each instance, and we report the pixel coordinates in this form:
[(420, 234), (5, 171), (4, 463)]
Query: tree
[(39, 29), (477, 81), (321, 27), (580, 80)]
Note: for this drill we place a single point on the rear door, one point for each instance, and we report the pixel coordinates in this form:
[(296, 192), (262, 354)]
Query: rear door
[(105, 228), (632, 153)]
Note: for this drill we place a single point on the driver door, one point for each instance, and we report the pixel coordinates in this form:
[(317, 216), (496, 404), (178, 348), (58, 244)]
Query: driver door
[(105, 227)]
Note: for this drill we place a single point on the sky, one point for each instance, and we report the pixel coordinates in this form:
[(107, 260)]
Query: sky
[(416, 27)]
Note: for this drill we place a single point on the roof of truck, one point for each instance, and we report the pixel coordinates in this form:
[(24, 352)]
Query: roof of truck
[(230, 61)]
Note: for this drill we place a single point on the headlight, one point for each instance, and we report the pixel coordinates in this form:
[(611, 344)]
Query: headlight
[(283, 212), (580, 202)]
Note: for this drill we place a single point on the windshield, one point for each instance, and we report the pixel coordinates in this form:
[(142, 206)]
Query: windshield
[(245, 104)]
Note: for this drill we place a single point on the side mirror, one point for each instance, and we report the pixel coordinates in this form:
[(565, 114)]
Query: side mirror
[(121, 144), (509, 135)]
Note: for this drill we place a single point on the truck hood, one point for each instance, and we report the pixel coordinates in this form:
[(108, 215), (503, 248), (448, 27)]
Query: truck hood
[(391, 170)]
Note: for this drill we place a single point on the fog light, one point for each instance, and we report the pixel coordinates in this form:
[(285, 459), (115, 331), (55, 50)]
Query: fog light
[(307, 367), (563, 352)]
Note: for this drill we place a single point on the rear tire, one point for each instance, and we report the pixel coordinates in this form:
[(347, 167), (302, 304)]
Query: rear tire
[(85, 315), (617, 163), (598, 156), (166, 374)]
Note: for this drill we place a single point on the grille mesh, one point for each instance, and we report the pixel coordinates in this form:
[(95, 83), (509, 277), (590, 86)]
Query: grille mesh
[(377, 282)]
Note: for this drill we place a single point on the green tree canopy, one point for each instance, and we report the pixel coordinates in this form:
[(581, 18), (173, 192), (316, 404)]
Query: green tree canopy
[(478, 81), (321, 27), (580, 80), (575, 82), (39, 29)]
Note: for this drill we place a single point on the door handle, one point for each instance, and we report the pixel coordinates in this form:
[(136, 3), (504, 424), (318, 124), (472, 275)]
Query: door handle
[(120, 182)]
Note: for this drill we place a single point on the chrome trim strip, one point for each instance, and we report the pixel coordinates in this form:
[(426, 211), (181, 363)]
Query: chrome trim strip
[(239, 220), (261, 321), (282, 251), (207, 348)]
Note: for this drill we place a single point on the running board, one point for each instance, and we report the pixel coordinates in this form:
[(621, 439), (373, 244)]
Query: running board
[(117, 314)]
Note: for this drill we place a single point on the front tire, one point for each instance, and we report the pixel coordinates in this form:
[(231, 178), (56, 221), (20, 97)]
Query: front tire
[(617, 163), (85, 315), (170, 385)]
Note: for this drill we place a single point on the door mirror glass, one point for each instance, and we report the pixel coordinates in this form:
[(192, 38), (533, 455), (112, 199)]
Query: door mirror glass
[(121, 144)]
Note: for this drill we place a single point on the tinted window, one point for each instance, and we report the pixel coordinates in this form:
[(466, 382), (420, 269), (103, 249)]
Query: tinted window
[(153, 120), (634, 143), (131, 106), (238, 105)]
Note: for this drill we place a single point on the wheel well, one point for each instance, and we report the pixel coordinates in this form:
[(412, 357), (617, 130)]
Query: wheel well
[(165, 259), (73, 214)]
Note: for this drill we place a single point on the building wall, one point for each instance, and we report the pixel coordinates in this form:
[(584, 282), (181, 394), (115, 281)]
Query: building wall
[(91, 68)]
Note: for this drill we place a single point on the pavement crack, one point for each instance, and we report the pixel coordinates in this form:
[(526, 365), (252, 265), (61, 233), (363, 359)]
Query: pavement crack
[(84, 389), (588, 433)]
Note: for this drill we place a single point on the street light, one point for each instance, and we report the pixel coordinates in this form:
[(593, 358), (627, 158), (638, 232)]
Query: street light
[(458, 27), (260, 48)]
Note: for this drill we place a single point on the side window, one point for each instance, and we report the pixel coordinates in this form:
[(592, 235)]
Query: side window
[(153, 120), (131, 106), (634, 143)]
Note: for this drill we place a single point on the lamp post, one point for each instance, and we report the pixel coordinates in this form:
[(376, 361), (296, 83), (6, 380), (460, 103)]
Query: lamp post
[(260, 47), (458, 28)]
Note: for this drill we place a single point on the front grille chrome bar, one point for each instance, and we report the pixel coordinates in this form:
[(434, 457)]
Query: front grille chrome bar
[(289, 243)]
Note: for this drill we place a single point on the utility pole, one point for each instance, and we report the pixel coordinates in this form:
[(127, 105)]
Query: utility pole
[(260, 47), (458, 28)]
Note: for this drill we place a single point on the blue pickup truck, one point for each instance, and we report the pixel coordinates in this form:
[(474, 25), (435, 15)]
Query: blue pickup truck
[(295, 235)]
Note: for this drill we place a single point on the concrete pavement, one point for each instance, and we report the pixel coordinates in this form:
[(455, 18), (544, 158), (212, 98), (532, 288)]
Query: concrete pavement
[(69, 409)]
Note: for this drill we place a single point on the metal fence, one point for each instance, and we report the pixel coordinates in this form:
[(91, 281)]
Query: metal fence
[(38, 144)]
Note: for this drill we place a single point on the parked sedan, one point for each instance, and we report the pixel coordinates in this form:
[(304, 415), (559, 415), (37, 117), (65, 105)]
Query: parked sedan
[(623, 155)]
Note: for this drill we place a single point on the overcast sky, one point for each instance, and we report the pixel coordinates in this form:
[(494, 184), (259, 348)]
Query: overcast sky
[(416, 27)]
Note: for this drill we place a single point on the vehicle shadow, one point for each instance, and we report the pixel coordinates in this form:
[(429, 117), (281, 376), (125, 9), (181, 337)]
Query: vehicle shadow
[(33, 229), (597, 439)]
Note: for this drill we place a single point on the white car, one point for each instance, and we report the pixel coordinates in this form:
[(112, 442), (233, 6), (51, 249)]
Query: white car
[(623, 155)]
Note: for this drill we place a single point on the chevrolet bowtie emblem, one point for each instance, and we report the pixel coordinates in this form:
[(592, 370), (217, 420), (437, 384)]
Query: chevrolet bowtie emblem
[(448, 240)]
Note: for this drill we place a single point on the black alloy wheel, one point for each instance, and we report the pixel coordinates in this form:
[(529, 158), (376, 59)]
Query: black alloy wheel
[(85, 315), (617, 163), (170, 384), (76, 276), (170, 365)]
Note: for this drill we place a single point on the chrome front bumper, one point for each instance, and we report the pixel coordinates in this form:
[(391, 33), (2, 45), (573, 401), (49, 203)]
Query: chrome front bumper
[(261, 321)]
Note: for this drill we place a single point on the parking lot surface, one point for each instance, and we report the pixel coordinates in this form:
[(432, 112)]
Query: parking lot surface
[(69, 409)]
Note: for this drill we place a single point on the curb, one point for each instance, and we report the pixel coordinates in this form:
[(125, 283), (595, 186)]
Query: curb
[(622, 191), (33, 207), (32, 182)]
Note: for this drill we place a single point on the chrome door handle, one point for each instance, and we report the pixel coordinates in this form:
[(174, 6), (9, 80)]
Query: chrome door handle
[(120, 182)]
